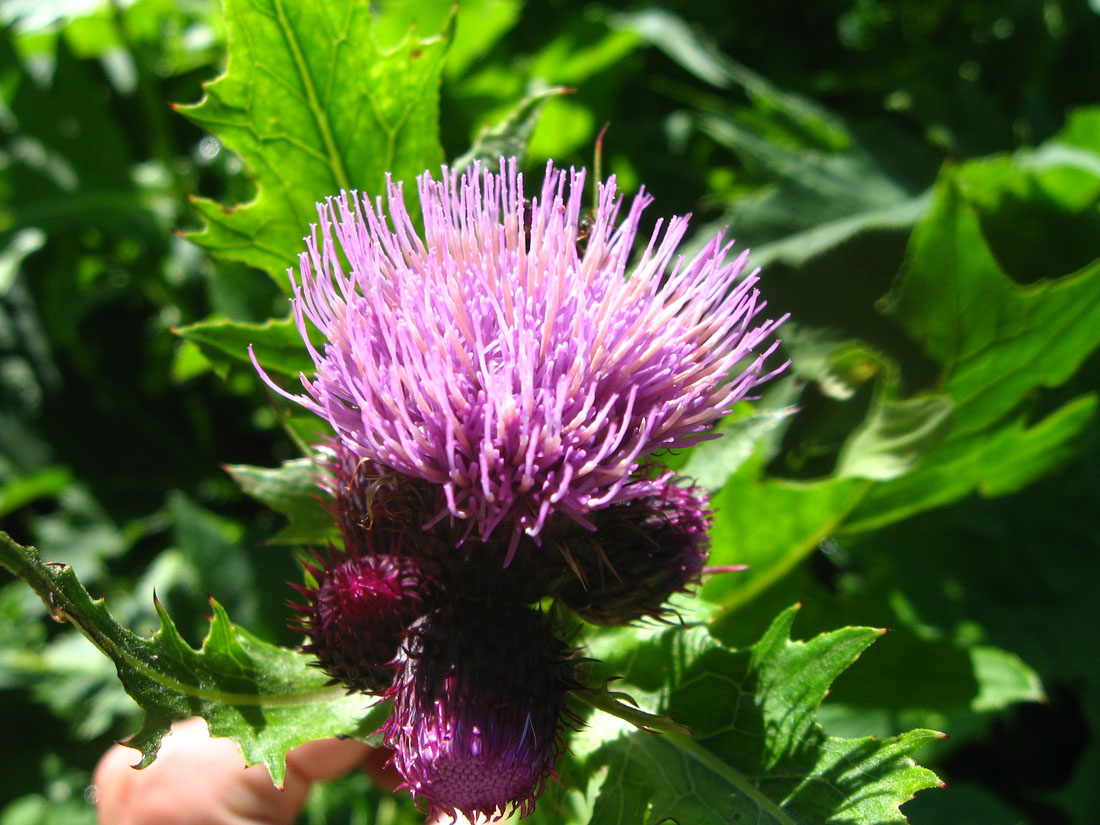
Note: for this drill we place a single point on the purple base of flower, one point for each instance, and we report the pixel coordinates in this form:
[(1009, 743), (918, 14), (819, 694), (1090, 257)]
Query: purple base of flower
[(478, 698), (357, 614), (639, 555)]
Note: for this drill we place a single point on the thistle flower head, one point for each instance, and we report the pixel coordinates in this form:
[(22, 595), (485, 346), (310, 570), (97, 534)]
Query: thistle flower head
[(641, 553), (478, 698), (491, 358), (357, 614)]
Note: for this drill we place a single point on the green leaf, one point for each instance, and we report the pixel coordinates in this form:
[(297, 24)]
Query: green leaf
[(1039, 449), (480, 24), (265, 698), (838, 367), (996, 342), (820, 183), (276, 343), (712, 464), (760, 755), (292, 490), (22, 490), (510, 137), (313, 105), (752, 432), (696, 52), (771, 525), (622, 706), (936, 675), (895, 438)]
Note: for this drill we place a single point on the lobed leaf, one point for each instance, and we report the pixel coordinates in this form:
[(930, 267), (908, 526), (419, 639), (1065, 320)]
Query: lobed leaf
[(771, 525), (759, 754), (996, 341), (276, 342)]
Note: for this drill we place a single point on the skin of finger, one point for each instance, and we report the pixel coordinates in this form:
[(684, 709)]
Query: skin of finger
[(326, 758), (199, 780)]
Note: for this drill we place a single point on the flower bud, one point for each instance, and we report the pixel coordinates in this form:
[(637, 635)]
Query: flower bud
[(478, 698), (640, 554), (357, 614)]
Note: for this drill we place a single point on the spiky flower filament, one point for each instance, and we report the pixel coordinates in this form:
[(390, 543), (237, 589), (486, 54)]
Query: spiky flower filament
[(522, 377)]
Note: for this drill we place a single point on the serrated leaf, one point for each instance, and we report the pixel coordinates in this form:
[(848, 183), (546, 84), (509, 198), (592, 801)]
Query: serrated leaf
[(760, 754), (276, 343), (290, 489), (265, 698), (622, 706), (313, 105)]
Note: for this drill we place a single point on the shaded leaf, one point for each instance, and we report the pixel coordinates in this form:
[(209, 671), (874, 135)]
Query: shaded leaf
[(937, 676), (696, 52), (292, 490), (821, 184)]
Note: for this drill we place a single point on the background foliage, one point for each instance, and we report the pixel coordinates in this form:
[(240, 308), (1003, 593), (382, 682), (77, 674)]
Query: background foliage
[(919, 180)]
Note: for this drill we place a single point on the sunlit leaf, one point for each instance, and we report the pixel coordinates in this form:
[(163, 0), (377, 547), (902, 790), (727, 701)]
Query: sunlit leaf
[(510, 137), (313, 105), (895, 438), (291, 490), (266, 698), (771, 525), (276, 343), (759, 754), (996, 341)]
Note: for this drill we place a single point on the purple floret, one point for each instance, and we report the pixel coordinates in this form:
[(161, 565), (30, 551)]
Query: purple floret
[(357, 614)]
